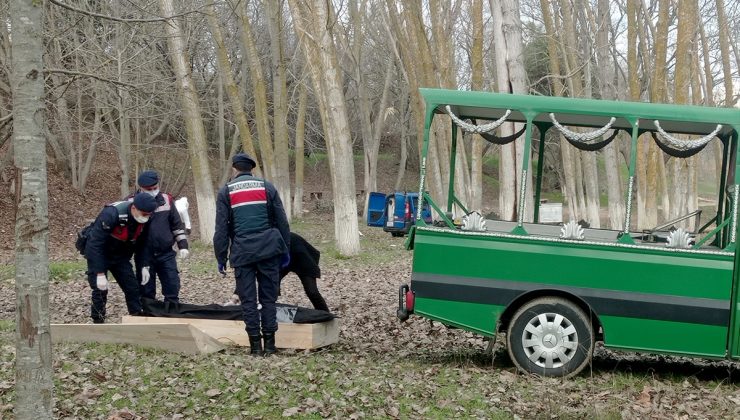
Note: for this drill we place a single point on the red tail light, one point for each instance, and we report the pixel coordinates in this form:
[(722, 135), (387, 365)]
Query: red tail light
[(408, 210), (410, 301)]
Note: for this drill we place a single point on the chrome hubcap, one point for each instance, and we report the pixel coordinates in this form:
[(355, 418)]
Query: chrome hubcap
[(550, 340)]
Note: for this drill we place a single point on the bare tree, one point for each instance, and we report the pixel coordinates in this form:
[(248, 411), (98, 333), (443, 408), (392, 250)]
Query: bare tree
[(476, 83), (232, 91), (608, 91), (313, 20), (300, 135), (196, 133), (33, 371), (257, 77), (281, 173)]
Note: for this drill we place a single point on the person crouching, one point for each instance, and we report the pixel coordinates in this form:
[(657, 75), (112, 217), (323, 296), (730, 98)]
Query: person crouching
[(112, 242)]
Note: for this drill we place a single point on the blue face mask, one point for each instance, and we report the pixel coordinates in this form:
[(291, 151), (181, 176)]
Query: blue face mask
[(153, 193)]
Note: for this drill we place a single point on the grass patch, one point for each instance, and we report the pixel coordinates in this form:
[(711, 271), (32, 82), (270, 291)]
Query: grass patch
[(58, 271), (7, 273), (7, 325), (315, 158), (67, 270)]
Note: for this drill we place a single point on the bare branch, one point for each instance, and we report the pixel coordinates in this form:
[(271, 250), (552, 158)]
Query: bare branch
[(117, 19), (102, 79)]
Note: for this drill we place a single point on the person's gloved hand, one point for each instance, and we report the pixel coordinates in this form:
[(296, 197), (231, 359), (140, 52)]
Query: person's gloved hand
[(222, 269), (285, 260), (145, 275), (183, 254), (101, 281)]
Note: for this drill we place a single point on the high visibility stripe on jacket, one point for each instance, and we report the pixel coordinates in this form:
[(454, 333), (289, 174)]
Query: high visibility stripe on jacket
[(248, 200), (121, 231)]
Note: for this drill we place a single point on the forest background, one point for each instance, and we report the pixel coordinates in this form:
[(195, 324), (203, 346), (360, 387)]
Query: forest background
[(182, 86)]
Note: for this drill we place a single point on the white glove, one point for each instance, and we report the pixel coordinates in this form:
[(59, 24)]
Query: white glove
[(101, 282), (144, 275), (183, 254)]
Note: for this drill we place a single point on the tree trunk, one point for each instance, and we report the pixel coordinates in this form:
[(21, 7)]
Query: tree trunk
[(281, 173), (476, 83), (300, 135), (318, 41), (262, 116), (507, 194), (33, 367), (193, 124), (232, 90), (657, 94), (512, 30), (569, 186), (724, 47), (373, 149), (608, 91), (404, 114), (684, 169)]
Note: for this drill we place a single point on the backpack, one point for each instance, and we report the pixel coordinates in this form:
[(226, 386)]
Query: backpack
[(84, 233)]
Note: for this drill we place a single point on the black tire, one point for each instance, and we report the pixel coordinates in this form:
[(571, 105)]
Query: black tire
[(561, 349), (397, 234)]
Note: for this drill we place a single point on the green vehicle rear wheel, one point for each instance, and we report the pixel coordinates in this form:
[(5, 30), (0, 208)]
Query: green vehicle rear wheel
[(550, 336)]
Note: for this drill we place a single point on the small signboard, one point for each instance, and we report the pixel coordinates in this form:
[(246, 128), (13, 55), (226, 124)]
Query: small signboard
[(551, 213)]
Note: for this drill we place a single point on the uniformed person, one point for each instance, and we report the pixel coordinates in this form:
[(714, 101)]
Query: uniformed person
[(252, 231), (165, 230), (112, 241)]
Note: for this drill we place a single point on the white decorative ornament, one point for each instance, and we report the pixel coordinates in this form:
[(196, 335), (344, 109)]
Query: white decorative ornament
[(477, 129), (571, 230), (582, 137), (474, 222), (679, 238), (683, 145)]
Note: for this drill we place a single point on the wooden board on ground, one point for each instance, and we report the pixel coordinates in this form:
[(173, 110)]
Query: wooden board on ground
[(178, 337), (289, 336)]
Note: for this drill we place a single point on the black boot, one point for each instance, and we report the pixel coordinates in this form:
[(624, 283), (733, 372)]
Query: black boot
[(269, 343), (255, 345)]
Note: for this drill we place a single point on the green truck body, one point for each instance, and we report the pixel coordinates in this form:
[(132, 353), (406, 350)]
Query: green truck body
[(636, 293)]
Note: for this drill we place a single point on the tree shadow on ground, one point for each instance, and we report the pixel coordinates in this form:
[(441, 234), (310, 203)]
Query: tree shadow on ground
[(663, 367)]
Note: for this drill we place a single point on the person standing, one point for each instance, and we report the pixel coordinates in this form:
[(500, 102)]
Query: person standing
[(165, 230), (252, 232), (113, 238)]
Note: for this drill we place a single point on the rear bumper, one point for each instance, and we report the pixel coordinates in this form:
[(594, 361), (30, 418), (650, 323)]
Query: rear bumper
[(399, 229), (405, 302)]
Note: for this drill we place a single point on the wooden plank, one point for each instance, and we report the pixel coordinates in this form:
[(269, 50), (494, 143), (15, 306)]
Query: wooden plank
[(289, 336), (178, 337)]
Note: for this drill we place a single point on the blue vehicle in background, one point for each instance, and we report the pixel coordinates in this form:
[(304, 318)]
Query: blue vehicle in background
[(395, 212)]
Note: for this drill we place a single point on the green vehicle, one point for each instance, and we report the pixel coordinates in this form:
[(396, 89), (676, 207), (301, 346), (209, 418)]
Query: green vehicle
[(555, 290)]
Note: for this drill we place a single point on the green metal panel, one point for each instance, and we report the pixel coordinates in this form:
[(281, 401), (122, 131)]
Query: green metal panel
[(686, 119), (669, 285), (476, 317), (653, 336)]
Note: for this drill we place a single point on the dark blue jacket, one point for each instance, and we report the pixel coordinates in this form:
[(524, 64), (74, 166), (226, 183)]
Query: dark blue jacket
[(165, 227), (115, 236), (250, 222)]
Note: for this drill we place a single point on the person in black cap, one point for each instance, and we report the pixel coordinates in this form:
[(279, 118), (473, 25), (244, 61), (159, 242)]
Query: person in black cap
[(252, 231), (112, 241), (165, 229)]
